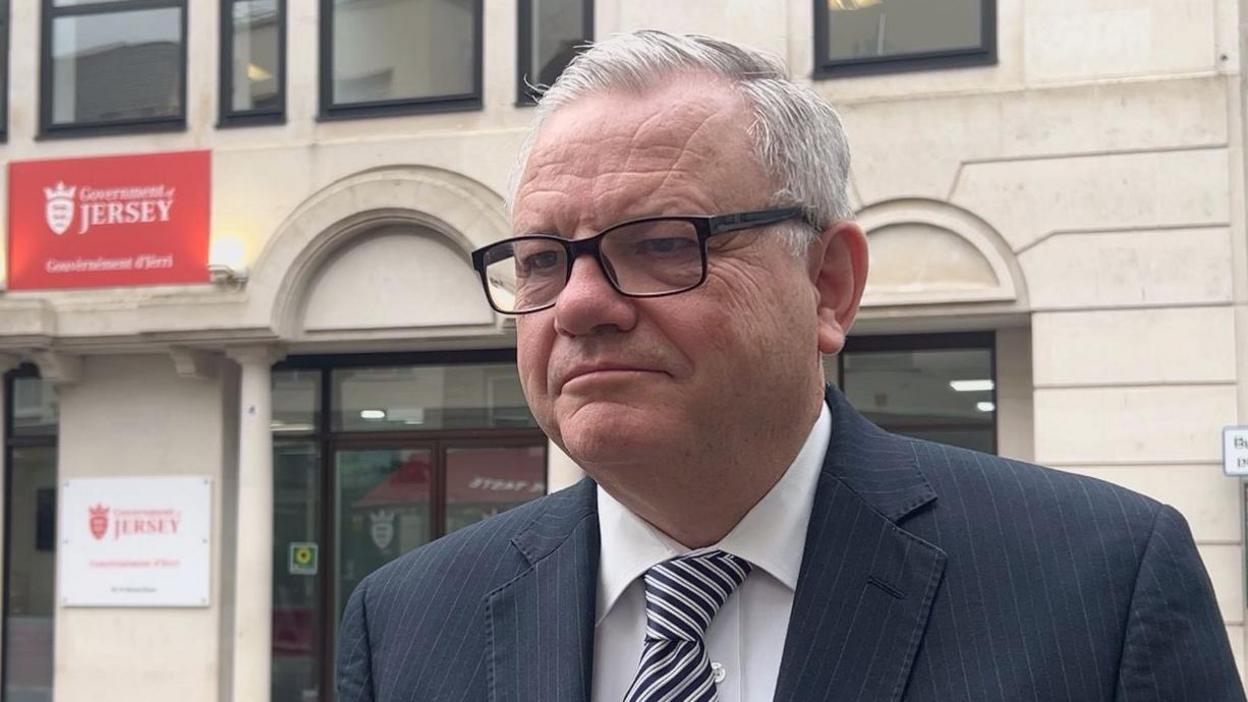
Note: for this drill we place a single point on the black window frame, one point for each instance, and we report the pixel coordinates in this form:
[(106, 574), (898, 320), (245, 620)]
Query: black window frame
[(525, 97), (47, 17), (227, 117), (6, 21), (9, 443), (464, 102), (983, 55), (329, 439), (948, 341)]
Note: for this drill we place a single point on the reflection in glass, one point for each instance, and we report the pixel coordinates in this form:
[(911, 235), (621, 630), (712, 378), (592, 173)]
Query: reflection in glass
[(873, 28), (557, 29), (117, 66), (386, 50), (484, 481), (35, 408), (296, 591), (296, 401), (913, 393), (256, 63), (382, 511), (30, 607), (405, 398)]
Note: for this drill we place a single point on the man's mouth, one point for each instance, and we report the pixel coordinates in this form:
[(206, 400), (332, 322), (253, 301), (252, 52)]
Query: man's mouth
[(584, 373)]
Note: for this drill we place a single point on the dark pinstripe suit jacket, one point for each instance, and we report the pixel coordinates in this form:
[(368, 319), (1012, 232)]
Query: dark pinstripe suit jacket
[(930, 573)]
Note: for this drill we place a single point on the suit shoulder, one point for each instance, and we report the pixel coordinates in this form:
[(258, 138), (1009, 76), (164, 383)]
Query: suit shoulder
[(976, 475)]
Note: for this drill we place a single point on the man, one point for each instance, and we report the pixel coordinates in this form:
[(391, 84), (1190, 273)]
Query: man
[(683, 256)]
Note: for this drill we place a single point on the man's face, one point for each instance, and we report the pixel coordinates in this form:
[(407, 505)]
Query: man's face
[(618, 380)]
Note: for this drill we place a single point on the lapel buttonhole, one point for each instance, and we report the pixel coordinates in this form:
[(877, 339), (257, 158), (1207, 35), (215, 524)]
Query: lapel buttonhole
[(872, 580)]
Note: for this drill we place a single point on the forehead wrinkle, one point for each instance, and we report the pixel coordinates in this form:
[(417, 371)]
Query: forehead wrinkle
[(644, 193), (672, 130), (678, 157), (709, 133)]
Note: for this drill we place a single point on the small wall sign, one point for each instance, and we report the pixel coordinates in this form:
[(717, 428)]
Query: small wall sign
[(1235, 450), (135, 542)]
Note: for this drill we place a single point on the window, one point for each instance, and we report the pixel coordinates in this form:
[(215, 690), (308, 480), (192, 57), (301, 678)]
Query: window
[(253, 61), (550, 32), (374, 456), (113, 66), (388, 57), (939, 387), (29, 459), (880, 36)]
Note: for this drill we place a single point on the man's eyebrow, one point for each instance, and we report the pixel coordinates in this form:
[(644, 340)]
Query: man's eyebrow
[(539, 231)]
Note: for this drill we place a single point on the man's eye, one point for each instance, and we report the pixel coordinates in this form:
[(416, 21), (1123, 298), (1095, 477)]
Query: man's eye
[(666, 246), (542, 261)]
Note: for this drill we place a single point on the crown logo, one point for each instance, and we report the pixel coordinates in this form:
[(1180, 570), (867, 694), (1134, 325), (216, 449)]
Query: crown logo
[(60, 191), (382, 529), (59, 208), (98, 520)]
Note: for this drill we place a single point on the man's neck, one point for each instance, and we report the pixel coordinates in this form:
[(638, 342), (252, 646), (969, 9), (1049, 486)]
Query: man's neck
[(704, 497)]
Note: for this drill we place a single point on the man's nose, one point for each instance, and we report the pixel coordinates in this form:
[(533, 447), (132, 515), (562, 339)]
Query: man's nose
[(588, 304)]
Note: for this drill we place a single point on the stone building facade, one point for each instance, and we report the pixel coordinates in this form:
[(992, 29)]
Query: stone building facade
[(1062, 203)]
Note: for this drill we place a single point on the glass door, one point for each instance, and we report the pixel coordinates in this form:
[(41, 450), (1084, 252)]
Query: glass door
[(29, 616), (383, 508), (29, 457), (375, 456), (298, 619)]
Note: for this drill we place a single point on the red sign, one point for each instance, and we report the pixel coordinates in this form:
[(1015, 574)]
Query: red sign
[(113, 220)]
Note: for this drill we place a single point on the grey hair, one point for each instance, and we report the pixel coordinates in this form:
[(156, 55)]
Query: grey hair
[(798, 138)]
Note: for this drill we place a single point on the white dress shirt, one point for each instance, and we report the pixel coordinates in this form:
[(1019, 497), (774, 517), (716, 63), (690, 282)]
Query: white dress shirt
[(747, 636)]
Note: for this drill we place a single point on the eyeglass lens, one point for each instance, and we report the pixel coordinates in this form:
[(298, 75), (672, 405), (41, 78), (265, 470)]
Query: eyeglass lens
[(643, 258)]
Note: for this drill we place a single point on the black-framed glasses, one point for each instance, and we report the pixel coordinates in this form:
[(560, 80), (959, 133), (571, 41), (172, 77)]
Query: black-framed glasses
[(648, 257)]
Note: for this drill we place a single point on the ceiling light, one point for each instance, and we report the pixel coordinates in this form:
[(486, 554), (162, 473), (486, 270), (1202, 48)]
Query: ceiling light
[(982, 385), (986, 406), (835, 5), (278, 425), (372, 414), (256, 74)]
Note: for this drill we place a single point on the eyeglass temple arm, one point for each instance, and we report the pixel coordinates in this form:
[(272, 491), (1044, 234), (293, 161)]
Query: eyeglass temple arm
[(746, 220)]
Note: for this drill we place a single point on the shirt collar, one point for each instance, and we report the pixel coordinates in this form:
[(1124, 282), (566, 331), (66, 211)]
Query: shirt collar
[(772, 535)]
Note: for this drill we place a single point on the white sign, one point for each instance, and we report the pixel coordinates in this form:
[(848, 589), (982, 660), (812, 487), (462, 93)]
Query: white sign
[(135, 542), (1235, 450)]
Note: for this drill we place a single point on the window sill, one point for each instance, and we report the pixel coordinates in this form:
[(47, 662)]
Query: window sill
[(84, 131), (398, 109), (905, 64), (236, 121)]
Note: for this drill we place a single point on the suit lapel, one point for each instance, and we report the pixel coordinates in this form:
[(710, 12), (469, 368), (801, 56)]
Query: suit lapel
[(866, 585), (540, 625)]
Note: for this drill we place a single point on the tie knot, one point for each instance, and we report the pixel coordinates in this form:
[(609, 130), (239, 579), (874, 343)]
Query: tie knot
[(683, 594)]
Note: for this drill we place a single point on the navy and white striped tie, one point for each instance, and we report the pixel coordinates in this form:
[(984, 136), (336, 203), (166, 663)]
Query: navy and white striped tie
[(682, 597)]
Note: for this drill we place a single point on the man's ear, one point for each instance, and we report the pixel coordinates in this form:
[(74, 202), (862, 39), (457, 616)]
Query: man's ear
[(838, 269)]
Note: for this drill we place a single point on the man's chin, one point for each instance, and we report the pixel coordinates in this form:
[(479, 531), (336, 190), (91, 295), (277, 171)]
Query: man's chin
[(604, 432)]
